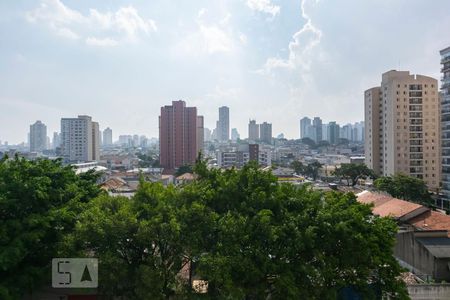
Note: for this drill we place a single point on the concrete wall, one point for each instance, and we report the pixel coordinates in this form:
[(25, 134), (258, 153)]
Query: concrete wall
[(414, 254), (429, 291)]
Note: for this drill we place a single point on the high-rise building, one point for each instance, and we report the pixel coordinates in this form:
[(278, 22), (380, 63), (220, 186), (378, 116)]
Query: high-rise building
[(56, 141), (207, 134), (253, 130), (402, 127), (445, 125), (333, 133), (305, 125), (317, 124), (126, 140), (359, 132), (107, 137), (347, 132), (38, 137), (265, 132), (200, 133), (234, 134), (80, 139), (178, 143), (96, 141), (223, 125)]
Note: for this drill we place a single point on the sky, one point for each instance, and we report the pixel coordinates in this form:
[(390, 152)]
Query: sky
[(119, 61)]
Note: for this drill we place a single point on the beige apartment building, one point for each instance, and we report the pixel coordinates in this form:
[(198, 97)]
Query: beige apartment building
[(402, 118)]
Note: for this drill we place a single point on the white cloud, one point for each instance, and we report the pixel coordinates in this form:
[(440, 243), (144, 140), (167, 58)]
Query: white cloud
[(207, 38), (265, 6), (106, 42), (301, 48), (96, 28)]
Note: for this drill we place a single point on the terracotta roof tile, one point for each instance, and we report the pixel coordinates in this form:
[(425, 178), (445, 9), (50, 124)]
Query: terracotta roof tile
[(431, 220)]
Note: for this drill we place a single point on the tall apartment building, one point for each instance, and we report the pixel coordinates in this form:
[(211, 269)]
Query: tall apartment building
[(56, 141), (333, 133), (445, 125), (265, 132), (402, 127), (305, 125), (96, 141), (223, 125), (317, 125), (38, 137), (80, 139), (234, 134), (200, 133), (253, 130), (178, 143), (107, 137)]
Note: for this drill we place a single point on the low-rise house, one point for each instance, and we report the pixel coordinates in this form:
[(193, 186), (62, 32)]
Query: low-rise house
[(423, 241)]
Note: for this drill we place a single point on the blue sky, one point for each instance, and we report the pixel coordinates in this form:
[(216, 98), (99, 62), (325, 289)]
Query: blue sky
[(276, 61)]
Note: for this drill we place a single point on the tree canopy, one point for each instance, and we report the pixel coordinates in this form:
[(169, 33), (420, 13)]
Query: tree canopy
[(353, 172), (405, 187), (245, 234), (39, 204)]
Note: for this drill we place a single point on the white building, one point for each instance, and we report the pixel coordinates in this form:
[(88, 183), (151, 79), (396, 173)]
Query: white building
[(38, 137), (107, 137), (80, 139)]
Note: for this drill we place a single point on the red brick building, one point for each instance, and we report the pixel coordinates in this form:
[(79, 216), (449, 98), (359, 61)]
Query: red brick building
[(179, 140)]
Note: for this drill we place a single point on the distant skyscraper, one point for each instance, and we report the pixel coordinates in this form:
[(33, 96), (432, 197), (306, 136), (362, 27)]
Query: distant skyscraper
[(200, 133), (333, 133), (96, 141), (253, 131), (223, 125), (178, 141), (347, 132), (38, 137), (234, 134), (265, 132), (207, 134), (445, 125), (79, 139), (317, 124), (402, 127), (56, 141), (107, 137), (305, 124)]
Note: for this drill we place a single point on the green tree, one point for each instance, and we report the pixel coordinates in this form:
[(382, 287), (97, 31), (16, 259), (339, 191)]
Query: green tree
[(298, 167), (274, 240), (353, 172), (39, 204), (184, 169), (312, 169), (405, 187)]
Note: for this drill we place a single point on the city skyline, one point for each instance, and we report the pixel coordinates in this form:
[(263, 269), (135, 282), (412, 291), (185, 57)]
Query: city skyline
[(275, 61)]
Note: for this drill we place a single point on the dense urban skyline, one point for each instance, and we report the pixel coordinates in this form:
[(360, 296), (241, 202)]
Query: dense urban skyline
[(266, 60)]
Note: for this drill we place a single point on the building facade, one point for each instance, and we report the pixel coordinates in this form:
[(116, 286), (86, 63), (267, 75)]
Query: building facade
[(200, 134), (38, 137), (223, 125), (317, 124), (234, 134), (80, 139), (445, 125), (178, 143), (403, 127), (107, 137), (253, 130), (265, 132), (333, 133), (305, 128)]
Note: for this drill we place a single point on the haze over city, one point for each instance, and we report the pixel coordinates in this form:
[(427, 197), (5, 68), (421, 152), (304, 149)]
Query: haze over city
[(273, 61)]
